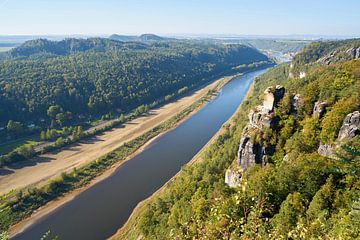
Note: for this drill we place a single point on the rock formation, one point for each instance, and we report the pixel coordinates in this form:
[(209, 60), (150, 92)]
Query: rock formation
[(337, 55), (350, 127), (232, 177), (354, 52), (325, 150), (272, 97), (297, 102), (250, 152), (319, 109), (328, 59), (302, 74)]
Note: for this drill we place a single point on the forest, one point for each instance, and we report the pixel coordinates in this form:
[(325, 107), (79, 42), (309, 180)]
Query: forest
[(298, 193), (87, 78)]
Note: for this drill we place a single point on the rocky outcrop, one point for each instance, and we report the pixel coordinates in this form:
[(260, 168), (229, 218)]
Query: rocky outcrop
[(350, 127), (354, 52), (261, 117), (338, 55), (272, 97), (233, 177), (325, 150), (328, 59), (250, 152), (302, 74), (319, 109), (297, 102)]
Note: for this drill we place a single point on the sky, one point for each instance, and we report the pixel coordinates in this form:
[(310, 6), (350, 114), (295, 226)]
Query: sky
[(172, 17)]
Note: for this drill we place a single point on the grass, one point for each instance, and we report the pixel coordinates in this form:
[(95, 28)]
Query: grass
[(11, 145)]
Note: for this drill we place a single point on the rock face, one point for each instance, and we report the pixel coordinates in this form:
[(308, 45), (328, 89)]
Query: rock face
[(251, 153), (232, 177), (354, 52), (336, 55), (319, 109), (260, 117), (272, 97), (328, 58), (325, 150), (297, 102), (350, 127)]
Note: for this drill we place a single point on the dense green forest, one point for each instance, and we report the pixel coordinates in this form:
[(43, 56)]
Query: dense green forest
[(279, 45), (84, 78), (298, 193)]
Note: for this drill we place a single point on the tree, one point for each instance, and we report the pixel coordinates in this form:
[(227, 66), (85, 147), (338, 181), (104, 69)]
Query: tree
[(77, 133), (59, 142), (14, 127), (122, 118), (27, 151), (291, 210), (53, 110), (62, 118)]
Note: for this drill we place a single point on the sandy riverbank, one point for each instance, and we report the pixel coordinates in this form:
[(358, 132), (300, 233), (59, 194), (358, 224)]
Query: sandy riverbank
[(112, 140)]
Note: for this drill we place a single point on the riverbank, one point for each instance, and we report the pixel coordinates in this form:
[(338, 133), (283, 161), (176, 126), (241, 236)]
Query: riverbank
[(201, 97), (38, 171), (125, 231)]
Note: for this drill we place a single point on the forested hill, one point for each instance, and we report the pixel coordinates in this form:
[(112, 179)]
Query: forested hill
[(290, 161), (45, 48), (84, 77), (143, 37)]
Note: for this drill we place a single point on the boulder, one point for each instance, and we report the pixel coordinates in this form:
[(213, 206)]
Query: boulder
[(325, 150), (272, 97), (233, 177), (319, 109), (302, 74), (297, 102), (350, 126)]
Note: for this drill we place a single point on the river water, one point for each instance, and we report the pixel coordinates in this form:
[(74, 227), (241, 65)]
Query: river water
[(100, 211)]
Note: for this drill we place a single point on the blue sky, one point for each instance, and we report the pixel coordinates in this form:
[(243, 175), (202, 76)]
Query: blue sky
[(251, 17)]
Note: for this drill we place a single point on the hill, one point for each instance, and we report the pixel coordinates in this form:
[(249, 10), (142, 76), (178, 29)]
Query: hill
[(45, 48), (86, 78), (290, 161), (141, 38)]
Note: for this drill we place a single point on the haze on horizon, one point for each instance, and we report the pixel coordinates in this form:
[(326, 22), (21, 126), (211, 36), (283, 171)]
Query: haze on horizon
[(255, 17)]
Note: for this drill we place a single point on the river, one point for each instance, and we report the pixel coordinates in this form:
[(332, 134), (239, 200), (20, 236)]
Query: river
[(101, 210)]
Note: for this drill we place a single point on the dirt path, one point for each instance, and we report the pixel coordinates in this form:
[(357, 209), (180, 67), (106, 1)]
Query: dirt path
[(47, 166)]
